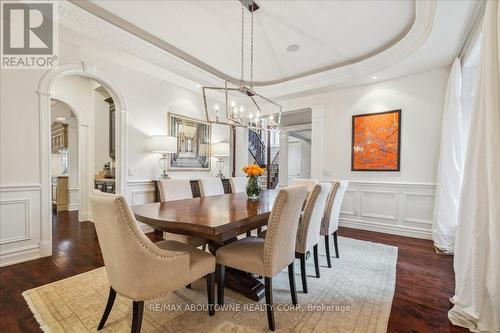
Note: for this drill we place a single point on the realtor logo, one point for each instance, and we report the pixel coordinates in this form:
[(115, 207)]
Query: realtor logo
[(28, 35)]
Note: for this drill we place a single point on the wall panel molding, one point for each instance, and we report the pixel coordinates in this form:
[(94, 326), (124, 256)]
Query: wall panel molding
[(20, 207), (404, 209), (378, 205), (141, 192), (26, 208)]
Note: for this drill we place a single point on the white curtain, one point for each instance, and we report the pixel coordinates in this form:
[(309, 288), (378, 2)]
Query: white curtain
[(477, 246), (451, 162)]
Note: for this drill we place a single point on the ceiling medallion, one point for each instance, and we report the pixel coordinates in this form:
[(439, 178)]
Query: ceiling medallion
[(241, 105)]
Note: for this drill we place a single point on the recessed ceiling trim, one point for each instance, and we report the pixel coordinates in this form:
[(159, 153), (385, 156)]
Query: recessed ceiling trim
[(421, 7)]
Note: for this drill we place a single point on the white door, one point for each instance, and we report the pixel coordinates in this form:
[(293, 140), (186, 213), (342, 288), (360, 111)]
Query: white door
[(294, 160)]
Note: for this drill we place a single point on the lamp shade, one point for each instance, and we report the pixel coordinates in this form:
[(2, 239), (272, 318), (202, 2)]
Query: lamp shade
[(220, 149), (164, 144)]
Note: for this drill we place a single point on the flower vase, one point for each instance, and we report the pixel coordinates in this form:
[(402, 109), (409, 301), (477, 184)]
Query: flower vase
[(253, 187)]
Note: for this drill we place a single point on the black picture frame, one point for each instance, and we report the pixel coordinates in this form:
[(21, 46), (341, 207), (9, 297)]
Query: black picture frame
[(398, 167)]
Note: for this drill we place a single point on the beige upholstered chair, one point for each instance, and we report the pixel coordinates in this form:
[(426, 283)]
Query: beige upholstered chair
[(210, 187), (310, 183), (309, 228), (178, 189), (267, 257), (238, 184), (330, 223), (138, 268)]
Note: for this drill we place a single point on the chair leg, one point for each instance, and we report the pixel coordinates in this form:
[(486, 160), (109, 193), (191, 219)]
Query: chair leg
[(221, 272), (138, 308), (336, 244), (107, 310), (303, 271), (327, 247), (316, 260), (291, 279), (269, 303), (210, 293)]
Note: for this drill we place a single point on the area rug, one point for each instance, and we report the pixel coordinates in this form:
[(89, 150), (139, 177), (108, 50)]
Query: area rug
[(355, 295)]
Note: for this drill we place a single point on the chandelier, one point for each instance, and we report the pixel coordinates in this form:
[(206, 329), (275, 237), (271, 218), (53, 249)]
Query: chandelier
[(238, 104)]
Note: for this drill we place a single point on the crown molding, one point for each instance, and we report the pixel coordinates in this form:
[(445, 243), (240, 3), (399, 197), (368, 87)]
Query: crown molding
[(94, 27)]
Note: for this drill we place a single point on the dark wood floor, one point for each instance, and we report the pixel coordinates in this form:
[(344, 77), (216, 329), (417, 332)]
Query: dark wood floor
[(424, 279)]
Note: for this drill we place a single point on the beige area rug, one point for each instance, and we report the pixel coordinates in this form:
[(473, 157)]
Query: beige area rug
[(355, 295)]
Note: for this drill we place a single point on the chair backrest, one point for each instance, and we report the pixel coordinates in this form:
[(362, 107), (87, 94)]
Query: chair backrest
[(131, 259), (174, 189), (210, 186), (310, 183), (279, 247), (238, 184), (308, 233), (332, 209)]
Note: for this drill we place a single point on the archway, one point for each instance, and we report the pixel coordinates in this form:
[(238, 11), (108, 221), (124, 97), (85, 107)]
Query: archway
[(44, 92)]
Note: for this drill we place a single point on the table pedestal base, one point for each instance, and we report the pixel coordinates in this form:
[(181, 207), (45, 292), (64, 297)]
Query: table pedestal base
[(240, 281)]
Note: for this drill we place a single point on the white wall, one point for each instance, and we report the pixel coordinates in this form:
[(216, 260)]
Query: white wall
[(396, 202)]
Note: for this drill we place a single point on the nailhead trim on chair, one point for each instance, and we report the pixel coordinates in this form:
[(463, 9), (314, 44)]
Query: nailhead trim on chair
[(122, 203), (325, 224), (271, 230), (306, 218)]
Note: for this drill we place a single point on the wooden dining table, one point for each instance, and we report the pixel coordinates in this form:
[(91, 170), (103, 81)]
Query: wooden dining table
[(219, 219)]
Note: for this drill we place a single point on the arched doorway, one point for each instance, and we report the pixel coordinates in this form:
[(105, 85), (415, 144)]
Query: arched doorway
[(44, 92)]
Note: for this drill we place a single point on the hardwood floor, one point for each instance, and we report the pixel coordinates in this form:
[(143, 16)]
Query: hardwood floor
[(424, 279)]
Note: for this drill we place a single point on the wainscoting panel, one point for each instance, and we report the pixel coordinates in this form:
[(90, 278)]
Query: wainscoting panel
[(397, 208), (141, 192), (19, 223)]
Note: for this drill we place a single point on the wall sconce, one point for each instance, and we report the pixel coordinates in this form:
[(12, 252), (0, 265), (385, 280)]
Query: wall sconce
[(220, 150), (164, 145)]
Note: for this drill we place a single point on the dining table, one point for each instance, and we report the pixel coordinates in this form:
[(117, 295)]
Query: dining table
[(220, 219)]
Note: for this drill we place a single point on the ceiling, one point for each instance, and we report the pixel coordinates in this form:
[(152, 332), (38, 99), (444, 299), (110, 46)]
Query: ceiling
[(342, 43), (329, 33)]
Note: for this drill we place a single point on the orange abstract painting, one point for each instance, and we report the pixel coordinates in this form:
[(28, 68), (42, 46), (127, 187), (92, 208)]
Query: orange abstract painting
[(376, 141)]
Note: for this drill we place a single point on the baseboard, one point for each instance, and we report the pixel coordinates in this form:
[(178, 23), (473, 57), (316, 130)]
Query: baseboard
[(386, 228), (73, 207), (20, 254)]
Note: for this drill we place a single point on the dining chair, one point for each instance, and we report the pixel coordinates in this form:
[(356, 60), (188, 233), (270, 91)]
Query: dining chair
[(267, 257), (309, 228), (310, 183), (139, 269), (330, 224), (238, 184), (210, 187), (178, 189)]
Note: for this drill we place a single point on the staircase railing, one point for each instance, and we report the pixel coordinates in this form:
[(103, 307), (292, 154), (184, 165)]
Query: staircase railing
[(256, 147)]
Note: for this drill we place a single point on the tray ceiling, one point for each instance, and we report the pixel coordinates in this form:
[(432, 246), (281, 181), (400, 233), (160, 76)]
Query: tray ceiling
[(330, 34)]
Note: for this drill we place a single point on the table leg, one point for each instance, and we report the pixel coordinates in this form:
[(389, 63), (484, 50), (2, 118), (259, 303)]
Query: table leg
[(240, 281)]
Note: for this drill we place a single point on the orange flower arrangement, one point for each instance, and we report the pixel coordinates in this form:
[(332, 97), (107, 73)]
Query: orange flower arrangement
[(253, 170)]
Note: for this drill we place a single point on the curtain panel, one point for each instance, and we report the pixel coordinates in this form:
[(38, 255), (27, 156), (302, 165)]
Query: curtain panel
[(477, 247)]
